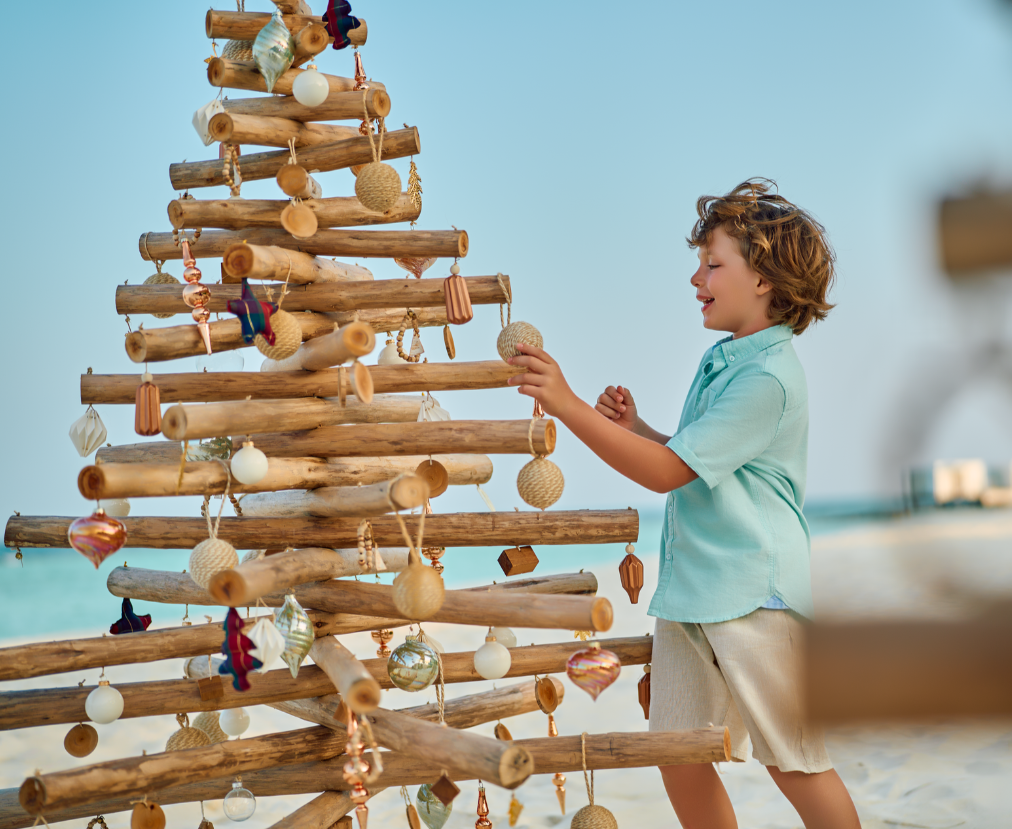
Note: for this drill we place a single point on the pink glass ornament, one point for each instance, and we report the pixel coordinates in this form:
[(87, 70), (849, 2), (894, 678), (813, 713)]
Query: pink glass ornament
[(97, 536), (593, 669), (415, 265)]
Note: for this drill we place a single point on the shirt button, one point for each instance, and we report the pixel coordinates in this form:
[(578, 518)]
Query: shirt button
[(731, 358)]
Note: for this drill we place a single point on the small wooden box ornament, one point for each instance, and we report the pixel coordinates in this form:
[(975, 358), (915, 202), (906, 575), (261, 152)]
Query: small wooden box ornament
[(517, 560), (445, 789), (210, 687)]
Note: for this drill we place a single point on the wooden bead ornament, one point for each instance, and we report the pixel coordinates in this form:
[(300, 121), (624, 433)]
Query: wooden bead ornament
[(502, 733), (287, 336), (518, 560), (416, 341), (148, 407), (591, 816), (147, 816), (377, 185), (187, 736), (81, 740), (630, 571), (456, 297), (159, 278)]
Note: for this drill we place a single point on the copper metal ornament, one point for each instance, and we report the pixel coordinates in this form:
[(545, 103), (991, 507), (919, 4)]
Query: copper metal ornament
[(458, 301), (381, 637), (643, 692), (482, 822), (194, 297), (560, 789), (148, 407), (631, 573), (435, 475)]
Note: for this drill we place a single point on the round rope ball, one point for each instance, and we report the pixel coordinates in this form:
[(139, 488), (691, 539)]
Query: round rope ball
[(378, 186), (162, 279), (238, 50), (418, 592), (287, 337), (540, 483), (594, 817), (187, 737), (517, 332), (208, 723), (210, 557)]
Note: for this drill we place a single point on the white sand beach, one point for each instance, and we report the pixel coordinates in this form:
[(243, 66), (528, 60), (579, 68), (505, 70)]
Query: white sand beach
[(934, 776)]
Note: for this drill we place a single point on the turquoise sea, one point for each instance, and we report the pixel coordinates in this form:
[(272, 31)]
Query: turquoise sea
[(54, 591)]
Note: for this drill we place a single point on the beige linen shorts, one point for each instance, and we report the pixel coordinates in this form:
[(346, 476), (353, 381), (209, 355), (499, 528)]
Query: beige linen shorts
[(742, 674)]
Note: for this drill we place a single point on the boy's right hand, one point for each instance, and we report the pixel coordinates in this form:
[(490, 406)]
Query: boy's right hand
[(617, 404)]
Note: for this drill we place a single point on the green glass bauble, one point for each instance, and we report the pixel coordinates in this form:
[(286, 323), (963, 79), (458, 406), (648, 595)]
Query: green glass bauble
[(413, 666), (431, 809)]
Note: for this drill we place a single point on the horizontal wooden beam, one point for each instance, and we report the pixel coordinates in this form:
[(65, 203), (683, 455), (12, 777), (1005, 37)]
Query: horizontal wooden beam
[(322, 297), (895, 671), (391, 244), (234, 74), (460, 529), (243, 261), (975, 233), (238, 385), (155, 345), (240, 214), (148, 480), (336, 155), (224, 25), (270, 131), (332, 501), (339, 106)]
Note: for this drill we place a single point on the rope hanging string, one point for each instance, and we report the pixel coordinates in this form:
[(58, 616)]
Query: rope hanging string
[(509, 301), (377, 155), (583, 755)]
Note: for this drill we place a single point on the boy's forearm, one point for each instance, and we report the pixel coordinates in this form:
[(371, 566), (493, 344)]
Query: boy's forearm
[(640, 458), (643, 430)]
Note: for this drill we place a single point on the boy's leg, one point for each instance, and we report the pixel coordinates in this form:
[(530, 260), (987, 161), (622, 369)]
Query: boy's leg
[(699, 798), (821, 799)]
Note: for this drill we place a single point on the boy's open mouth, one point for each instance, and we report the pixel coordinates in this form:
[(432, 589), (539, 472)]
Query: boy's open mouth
[(707, 302)]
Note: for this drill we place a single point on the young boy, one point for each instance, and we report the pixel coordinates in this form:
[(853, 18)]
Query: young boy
[(734, 580)]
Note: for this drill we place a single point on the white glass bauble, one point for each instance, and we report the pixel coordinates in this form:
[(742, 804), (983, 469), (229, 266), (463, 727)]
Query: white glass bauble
[(389, 356), (505, 637), (233, 721), (116, 507), (310, 87), (249, 466), (104, 704), (492, 660), (239, 804)]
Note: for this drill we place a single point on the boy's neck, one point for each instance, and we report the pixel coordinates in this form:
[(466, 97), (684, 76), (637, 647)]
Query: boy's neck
[(752, 328)]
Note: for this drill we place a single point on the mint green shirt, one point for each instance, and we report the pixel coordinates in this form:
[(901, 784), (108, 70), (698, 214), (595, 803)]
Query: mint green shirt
[(735, 537)]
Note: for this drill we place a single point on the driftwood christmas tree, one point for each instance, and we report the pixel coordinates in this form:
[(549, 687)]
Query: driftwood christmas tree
[(323, 459)]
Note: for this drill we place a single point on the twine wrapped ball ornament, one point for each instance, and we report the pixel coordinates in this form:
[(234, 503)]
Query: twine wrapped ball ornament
[(187, 736), (207, 721), (287, 336), (214, 554), (377, 185), (591, 816), (160, 278), (514, 334), (418, 590), (540, 483)]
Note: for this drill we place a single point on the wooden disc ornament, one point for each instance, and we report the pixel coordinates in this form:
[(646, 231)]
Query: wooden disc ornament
[(451, 349), (546, 695), (299, 220), (418, 590), (287, 336), (540, 483), (515, 333), (435, 475), (186, 737), (160, 278), (361, 382), (147, 816), (80, 740), (503, 733)]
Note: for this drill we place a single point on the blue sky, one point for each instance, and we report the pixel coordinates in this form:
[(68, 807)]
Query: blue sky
[(570, 141)]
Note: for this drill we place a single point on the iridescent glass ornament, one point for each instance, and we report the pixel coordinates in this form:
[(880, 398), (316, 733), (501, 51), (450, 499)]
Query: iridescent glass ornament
[(97, 536), (431, 809), (295, 625), (593, 669), (413, 666), (274, 50), (415, 265)]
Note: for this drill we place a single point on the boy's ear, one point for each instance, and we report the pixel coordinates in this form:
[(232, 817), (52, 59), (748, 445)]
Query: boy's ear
[(763, 287)]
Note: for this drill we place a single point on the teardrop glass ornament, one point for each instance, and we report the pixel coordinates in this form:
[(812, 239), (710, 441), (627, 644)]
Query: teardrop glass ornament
[(295, 625), (97, 536), (274, 50)]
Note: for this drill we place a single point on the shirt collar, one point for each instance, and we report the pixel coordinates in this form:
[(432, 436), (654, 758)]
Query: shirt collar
[(744, 347)]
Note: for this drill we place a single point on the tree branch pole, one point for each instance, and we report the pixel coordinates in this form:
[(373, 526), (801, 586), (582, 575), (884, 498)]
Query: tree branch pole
[(340, 106), (269, 131), (51, 706), (238, 385), (402, 493), (235, 214), (310, 42), (336, 155), (242, 260), (359, 691), (322, 812), (334, 296), (150, 480), (388, 244), (233, 74), (224, 25), (248, 417), (461, 529)]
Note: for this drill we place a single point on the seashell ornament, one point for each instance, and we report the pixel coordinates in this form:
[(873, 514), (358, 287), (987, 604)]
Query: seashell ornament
[(287, 336), (88, 432), (270, 643), (297, 628), (274, 50), (187, 736), (97, 536), (593, 669)]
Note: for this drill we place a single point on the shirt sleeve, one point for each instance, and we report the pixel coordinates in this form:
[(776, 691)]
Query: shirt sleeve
[(737, 428)]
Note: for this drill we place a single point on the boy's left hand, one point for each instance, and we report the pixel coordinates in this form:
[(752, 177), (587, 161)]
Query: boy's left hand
[(543, 380)]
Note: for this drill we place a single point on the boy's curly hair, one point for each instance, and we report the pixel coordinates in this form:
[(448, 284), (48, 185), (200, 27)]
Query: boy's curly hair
[(780, 241)]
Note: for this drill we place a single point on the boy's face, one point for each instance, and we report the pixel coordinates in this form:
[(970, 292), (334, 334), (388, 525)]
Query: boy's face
[(735, 298)]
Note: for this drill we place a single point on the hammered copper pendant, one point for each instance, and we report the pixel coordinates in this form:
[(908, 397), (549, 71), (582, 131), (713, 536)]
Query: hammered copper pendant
[(148, 410), (458, 301), (631, 573)]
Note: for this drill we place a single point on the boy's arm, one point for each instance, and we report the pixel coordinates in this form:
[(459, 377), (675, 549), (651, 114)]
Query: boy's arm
[(641, 459), (616, 403)]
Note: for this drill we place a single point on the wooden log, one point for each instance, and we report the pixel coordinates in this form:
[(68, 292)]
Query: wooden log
[(322, 812), (309, 42), (232, 74), (246, 25), (322, 158), (603, 751), (339, 106), (391, 244), (238, 385), (903, 671), (343, 346), (510, 606), (238, 214), (53, 706), (147, 480), (335, 296), (60, 790), (243, 261), (358, 690), (293, 7), (249, 417), (267, 131), (242, 585), (461, 529), (353, 501), (155, 345), (295, 181)]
